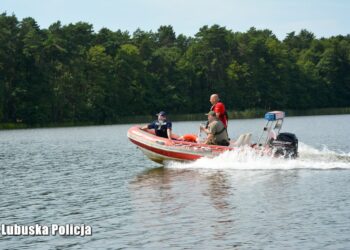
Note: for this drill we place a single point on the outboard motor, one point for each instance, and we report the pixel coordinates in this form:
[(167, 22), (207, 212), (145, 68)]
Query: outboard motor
[(286, 144), (282, 144)]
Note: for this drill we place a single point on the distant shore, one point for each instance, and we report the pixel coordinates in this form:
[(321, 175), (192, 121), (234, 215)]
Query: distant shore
[(245, 114)]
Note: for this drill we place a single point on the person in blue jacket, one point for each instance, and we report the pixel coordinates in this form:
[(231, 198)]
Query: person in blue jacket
[(162, 126)]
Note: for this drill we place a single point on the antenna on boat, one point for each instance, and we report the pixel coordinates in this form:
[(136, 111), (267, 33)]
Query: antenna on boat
[(199, 137)]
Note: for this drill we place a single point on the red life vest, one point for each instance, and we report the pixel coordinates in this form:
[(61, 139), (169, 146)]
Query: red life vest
[(220, 108)]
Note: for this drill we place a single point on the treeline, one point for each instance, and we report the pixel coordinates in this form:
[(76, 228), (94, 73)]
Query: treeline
[(69, 73)]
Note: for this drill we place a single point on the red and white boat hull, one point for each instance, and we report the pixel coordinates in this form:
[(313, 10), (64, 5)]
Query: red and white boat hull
[(161, 149)]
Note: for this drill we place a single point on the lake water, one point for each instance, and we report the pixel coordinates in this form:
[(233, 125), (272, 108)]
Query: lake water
[(95, 176)]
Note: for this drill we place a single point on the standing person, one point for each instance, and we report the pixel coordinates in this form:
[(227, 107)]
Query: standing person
[(162, 126), (216, 131), (219, 108)]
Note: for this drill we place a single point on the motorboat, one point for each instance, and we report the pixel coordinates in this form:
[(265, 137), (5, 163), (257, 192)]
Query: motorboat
[(271, 142)]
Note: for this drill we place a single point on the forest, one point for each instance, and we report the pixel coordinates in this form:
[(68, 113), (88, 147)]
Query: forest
[(71, 73)]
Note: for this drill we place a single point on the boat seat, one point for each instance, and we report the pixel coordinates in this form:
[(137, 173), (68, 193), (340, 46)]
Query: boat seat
[(239, 141), (247, 139), (243, 139)]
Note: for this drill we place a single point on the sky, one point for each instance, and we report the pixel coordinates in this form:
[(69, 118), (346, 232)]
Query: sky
[(322, 17)]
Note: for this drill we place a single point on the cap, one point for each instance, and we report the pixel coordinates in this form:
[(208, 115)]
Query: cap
[(161, 113), (212, 113)]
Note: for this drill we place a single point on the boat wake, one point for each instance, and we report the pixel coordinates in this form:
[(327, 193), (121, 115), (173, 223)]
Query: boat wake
[(248, 159)]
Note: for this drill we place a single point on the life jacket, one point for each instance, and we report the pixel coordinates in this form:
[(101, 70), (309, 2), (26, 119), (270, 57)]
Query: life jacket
[(225, 114), (222, 130), (190, 138)]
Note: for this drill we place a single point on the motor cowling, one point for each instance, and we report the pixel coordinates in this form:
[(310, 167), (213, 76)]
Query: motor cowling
[(286, 145)]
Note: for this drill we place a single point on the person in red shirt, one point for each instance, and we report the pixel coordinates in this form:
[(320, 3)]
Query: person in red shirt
[(219, 108)]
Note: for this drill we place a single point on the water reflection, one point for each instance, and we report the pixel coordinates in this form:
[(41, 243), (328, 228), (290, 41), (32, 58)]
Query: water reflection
[(163, 197), (219, 190), (212, 184)]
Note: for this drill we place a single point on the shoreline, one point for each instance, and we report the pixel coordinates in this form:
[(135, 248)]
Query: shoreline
[(245, 114)]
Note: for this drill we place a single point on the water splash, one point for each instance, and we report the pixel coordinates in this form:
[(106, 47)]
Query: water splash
[(248, 159)]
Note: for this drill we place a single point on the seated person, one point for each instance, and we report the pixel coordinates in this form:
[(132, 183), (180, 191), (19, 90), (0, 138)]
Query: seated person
[(216, 131), (162, 126)]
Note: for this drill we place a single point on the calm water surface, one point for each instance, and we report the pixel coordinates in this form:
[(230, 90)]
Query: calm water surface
[(95, 176)]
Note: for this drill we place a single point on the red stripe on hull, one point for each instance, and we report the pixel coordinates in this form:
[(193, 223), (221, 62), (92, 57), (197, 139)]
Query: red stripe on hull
[(177, 155)]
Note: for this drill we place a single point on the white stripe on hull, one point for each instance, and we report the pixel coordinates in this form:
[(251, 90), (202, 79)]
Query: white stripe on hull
[(157, 157)]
